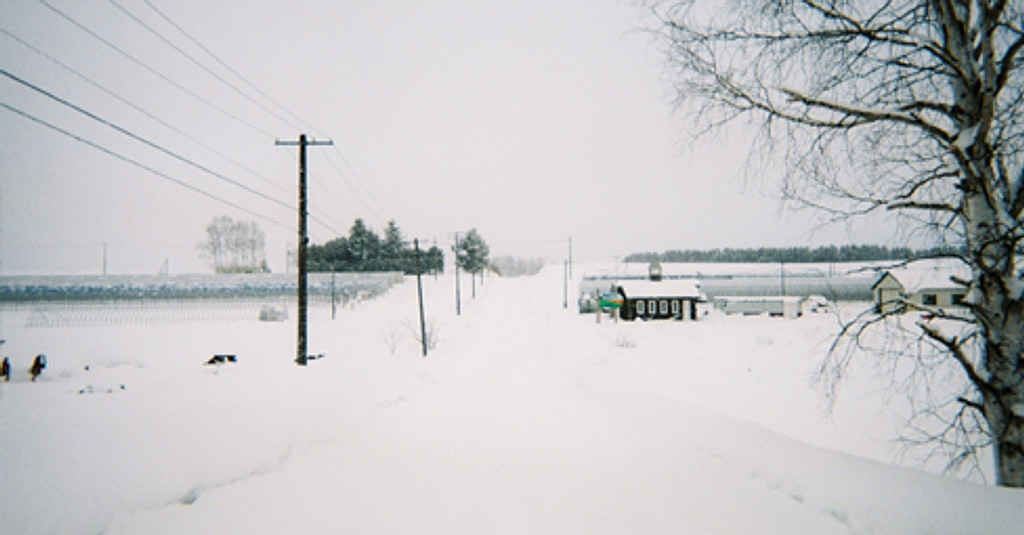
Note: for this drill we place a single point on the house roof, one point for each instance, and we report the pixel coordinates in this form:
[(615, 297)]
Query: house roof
[(688, 288), (927, 275)]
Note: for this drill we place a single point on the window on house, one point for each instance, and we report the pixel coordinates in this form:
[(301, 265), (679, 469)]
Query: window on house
[(652, 307), (958, 299), (663, 307), (640, 309), (675, 307), (929, 299)]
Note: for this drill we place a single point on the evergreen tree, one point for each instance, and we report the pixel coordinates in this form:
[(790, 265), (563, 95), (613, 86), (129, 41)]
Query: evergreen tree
[(394, 250), (434, 260), (472, 255), (364, 247)]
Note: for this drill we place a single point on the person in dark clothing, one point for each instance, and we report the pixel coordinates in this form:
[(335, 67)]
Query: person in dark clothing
[(38, 365)]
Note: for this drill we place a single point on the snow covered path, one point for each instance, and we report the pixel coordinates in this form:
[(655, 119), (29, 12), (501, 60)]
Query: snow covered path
[(526, 418)]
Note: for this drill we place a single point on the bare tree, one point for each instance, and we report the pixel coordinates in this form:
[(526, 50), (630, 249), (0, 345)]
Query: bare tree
[(234, 247), (907, 107), (217, 245)]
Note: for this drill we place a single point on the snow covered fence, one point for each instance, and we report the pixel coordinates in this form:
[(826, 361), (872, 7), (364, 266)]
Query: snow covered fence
[(134, 300), (85, 313), (122, 287)]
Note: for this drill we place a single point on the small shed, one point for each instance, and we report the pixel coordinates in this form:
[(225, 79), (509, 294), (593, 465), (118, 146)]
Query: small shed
[(926, 284), (660, 299)]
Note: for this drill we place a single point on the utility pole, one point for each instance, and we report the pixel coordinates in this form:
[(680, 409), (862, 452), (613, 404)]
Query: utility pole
[(570, 257), (565, 285), (458, 292), (782, 276), (302, 353), (419, 291)]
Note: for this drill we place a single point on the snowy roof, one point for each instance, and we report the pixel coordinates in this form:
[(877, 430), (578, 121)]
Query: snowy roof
[(663, 288), (928, 275)]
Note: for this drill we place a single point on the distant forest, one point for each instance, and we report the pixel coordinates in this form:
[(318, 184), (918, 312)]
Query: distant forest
[(831, 253)]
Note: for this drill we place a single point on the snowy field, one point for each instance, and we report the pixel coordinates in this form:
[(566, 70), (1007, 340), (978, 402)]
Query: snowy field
[(525, 418)]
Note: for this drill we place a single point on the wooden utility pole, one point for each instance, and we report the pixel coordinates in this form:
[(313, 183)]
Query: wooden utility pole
[(334, 299), (419, 292), (302, 353), (458, 291)]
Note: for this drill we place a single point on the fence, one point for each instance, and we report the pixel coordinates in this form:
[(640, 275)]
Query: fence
[(91, 301)]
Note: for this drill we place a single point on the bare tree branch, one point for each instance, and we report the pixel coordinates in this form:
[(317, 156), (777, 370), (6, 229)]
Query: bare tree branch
[(906, 107)]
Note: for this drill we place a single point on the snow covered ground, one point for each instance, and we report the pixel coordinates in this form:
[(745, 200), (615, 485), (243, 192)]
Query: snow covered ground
[(525, 418)]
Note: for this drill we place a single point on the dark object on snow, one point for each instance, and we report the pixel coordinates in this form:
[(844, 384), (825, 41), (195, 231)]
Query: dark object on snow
[(38, 365), (5, 369), (318, 356), (221, 359)]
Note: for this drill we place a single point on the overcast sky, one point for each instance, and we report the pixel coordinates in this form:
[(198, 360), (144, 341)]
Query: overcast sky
[(532, 121)]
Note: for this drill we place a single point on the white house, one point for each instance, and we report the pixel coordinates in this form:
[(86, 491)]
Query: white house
[(927, 284)]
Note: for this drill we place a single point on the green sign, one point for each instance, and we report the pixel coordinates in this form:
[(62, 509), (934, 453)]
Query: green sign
[(611, 301)]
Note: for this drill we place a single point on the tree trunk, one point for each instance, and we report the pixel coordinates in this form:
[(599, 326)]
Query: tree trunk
[(992, 236), (1004, 411), (999, 311), (1000, 315)]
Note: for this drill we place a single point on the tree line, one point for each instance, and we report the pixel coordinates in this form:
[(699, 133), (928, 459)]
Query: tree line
[(239, 247), (364, 250), (830, 253)]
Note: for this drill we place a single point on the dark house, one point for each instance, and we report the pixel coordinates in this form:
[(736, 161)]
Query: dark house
[(660, 299)]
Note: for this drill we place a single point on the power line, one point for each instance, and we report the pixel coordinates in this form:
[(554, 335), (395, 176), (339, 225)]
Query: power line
[(140, 165), (197, 63), (224, 64), (374, 205), (155, 118), (162, 76), (139, 109), (142, 140)]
